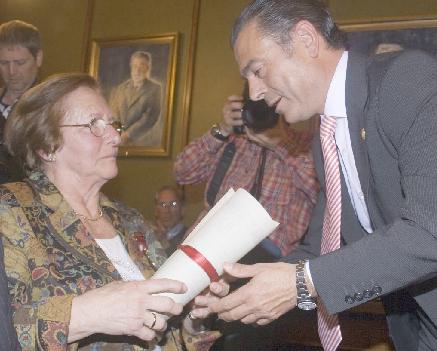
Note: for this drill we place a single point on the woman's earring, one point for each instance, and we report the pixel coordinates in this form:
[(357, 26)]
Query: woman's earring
[(52, 158)]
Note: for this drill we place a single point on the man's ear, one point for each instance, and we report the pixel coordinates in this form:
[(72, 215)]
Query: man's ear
[(39, 57), (308, 36)]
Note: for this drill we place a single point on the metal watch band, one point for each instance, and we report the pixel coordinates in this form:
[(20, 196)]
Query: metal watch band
[(304, 299), (217, 133)]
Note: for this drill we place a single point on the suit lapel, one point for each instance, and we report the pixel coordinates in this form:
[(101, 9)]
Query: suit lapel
[(356, 99), (135, 94)]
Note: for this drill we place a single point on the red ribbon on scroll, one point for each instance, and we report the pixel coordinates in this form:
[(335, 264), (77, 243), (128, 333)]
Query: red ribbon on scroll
[(201, 260)]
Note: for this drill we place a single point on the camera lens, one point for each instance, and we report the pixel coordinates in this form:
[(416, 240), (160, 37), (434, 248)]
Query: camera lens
[(258, 116), (239, 129)]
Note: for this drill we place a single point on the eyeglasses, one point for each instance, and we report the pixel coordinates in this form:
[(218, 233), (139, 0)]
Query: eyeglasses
[(169, 204), (98, 126)]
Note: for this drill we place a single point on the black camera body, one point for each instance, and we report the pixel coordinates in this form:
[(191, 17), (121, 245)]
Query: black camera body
[(257, 116)]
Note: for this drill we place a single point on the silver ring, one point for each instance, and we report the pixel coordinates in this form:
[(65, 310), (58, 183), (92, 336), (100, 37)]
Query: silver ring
[(190, 315), (154, 320)]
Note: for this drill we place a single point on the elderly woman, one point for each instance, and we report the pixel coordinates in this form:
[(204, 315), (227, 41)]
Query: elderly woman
[(76, 277)]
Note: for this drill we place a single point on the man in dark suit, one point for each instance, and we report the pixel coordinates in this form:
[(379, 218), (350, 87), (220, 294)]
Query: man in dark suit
[(21, 57), (8, 337), (385, 112)]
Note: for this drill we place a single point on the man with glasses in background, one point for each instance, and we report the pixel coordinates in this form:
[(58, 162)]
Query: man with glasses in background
[(169, 212)]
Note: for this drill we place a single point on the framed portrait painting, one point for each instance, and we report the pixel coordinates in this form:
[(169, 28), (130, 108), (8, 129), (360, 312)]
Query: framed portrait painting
[(378, 37), (137, 76)]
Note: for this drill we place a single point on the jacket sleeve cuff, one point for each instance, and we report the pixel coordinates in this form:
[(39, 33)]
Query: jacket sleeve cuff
[(53, 323)]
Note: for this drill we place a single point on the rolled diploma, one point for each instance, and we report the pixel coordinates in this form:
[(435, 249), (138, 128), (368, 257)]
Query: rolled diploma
[(233, 227)]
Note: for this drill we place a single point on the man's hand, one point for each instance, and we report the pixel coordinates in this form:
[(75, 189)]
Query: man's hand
[(213, 294), (231, 114), (270, 293)]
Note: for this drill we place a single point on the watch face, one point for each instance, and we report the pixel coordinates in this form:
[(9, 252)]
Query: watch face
[(216, 133), (307, 305)]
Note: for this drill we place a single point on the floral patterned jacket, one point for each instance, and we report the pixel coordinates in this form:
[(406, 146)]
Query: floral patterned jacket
[(50, 258)]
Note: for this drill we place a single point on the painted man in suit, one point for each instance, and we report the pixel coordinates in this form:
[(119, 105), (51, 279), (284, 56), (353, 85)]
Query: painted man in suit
[(385, 108), (137, 101)]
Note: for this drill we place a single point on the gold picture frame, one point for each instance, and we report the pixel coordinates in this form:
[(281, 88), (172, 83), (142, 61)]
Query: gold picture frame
[(137, 76), (368, 37)]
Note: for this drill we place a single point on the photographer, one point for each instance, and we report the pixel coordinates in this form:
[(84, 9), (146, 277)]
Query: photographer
[(270, 160)]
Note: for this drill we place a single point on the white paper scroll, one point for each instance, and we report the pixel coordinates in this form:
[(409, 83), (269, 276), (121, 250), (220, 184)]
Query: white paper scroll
[(233, 227)]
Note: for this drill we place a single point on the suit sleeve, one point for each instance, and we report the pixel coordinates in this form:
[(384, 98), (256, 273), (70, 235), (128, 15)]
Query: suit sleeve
[(402, 253), (114, 103), (155, 107)]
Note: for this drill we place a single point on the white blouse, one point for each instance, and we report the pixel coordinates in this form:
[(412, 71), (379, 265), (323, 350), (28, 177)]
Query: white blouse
[(117, 254), (128, 270)]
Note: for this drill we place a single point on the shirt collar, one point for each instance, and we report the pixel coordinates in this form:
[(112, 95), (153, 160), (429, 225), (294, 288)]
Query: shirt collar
[(174, 232), (335, 104)]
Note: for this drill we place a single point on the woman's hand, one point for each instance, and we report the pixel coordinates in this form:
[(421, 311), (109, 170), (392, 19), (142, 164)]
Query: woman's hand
[(124, 308)]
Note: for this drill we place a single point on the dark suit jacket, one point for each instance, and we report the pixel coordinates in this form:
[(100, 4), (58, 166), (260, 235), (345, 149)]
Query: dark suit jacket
[(397, 166), (8, 338), (10, 171)]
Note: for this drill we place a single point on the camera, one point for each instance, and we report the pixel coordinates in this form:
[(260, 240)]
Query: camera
[(257, 116)]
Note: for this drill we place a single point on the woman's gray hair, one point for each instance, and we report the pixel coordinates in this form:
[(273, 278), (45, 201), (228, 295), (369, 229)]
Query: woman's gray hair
[(34, 123)]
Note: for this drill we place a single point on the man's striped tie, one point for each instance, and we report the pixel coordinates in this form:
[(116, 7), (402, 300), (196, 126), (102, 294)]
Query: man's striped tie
[(329, 327)]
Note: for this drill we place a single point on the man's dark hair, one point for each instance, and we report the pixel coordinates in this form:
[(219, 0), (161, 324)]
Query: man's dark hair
[(20, 33), (275, 19)]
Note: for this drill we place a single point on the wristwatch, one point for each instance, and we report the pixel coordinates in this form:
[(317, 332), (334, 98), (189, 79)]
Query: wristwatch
[(304, 300), (217, 133)]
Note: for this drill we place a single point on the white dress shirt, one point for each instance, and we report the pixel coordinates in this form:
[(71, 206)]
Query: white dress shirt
[(335, 106), (175, 231)]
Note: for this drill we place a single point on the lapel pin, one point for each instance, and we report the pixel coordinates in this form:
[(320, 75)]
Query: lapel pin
[(363, 134)]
